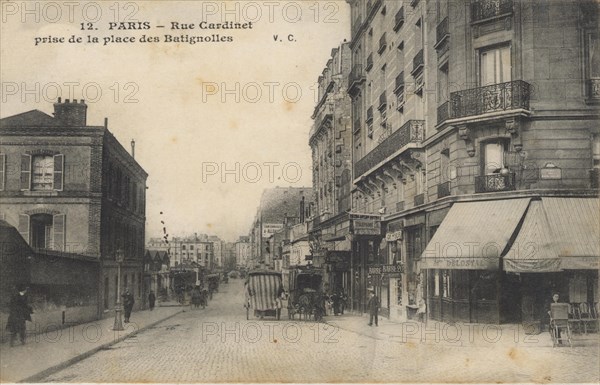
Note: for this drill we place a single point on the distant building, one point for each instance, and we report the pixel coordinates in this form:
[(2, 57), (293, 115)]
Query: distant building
[(278, 206), (243, 251)]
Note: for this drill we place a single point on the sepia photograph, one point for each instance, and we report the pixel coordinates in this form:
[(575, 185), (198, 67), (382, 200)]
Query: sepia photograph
[(299, 191)]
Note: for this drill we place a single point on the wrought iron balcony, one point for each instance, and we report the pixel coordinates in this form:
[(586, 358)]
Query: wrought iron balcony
[(399, 85), (442, 32), (443, 112), (443, 189), (382, 44), (399, 19), (495, 182), (357, 75), (419, 199), (418, 62), (485, 9), (369, 62), (372, 6), (493, 98), (411, 132)]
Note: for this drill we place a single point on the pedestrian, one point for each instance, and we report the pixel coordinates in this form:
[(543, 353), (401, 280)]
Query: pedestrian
[(196, 297), (19, 312), (128, 302), (421, 310), (555, 299), (151, 299), (335, 299), (343, 301), (373, 306)]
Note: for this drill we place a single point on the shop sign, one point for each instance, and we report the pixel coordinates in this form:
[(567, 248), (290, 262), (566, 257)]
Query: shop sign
[(374, 270), (391, 269), (550, 171), (367, 227), (394, 236), (335, 256), (269, 229)]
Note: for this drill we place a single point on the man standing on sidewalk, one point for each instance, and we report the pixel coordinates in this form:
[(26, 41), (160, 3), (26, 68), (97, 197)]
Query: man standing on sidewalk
[(373, 306), (20, 312), (128, 302)]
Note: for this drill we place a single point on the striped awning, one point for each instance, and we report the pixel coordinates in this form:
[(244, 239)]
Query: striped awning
[(263, 290), (557, 234), (473, 235)]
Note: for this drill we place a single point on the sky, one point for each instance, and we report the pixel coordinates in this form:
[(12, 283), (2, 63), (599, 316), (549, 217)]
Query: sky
[(214, 123)]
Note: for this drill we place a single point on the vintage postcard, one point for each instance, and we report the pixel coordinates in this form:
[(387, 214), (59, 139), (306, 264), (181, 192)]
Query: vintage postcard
[(299, 191)]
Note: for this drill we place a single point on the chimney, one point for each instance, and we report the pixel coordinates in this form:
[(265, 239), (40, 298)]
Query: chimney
[(133, 148), (71, 114)]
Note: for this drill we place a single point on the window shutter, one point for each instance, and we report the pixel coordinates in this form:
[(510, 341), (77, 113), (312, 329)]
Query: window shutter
[(25, 172), (58, 226), (59, 175), (2, 170), (24, 226)]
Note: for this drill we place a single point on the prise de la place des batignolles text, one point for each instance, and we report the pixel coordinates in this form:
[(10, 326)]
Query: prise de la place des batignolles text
[(114, 33)]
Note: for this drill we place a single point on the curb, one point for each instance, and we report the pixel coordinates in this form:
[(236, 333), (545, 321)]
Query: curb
[(53, 369)]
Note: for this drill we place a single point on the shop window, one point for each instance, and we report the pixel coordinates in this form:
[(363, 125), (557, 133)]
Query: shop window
[(446, 280), (461, 284), (484, 285), (436, 283), (399, 291)]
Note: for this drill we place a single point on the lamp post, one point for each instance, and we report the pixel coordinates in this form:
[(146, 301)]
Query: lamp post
[(120, 257)]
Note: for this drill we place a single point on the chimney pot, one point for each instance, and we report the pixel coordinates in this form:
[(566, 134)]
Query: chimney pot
[(58, 99), (82, 101), (66, 100)]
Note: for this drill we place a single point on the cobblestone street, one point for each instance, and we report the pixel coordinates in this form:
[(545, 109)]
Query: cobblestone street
[(218, 345)]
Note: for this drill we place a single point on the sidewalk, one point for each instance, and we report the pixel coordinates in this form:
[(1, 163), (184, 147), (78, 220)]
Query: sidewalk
[(457, 335), (49, 352)]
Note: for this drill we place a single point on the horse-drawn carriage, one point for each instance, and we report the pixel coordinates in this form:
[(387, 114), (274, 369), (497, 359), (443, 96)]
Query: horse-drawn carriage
[(263, 290), (306, 293)]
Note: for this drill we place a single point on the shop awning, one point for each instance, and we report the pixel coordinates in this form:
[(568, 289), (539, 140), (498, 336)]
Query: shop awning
[(474, 235), (557, 234)]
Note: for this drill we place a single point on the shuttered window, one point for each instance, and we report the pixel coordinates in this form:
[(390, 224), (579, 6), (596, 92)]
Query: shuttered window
[(59, 227), (59, 175), (2, 171), (25, 172)]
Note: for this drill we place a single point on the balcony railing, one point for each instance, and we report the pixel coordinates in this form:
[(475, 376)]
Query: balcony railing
[(485, 9), (357, 74), (493, 98), (369, 62), (400, 100), (382, 44), (495, 182), (418, 61), (399, 19), (443, 112), (382, 101), (443, 189), (419, 199), (399, 85), (411, 132), (442, 32), (372, 6)]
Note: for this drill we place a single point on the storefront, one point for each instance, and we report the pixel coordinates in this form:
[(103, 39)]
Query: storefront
[(462, 260), (557, 250), (366, 238)]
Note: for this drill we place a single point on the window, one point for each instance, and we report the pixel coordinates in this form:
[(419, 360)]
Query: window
[(2, 171), (191, 247), (493, 154), (42, 172), (43, 231), (596, 150), (182, 247), (494, 66)]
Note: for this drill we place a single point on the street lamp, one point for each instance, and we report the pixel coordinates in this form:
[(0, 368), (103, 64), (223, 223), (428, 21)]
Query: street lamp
[(119, 258)]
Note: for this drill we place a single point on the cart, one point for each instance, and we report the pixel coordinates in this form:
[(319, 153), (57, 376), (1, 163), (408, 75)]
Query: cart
[(263, 290), (306, 294)]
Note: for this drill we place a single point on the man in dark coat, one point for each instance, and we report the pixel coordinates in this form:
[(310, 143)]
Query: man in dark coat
[(128, 302), (19, 312), (373, 306), (151, 299)]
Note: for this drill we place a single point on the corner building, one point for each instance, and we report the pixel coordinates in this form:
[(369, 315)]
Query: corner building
[(475, 134), (72, 189)]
